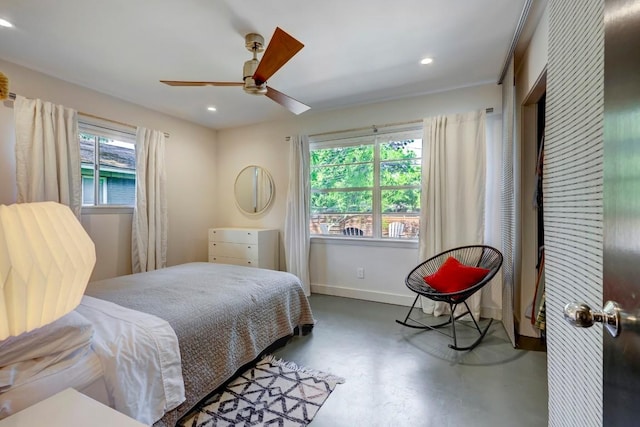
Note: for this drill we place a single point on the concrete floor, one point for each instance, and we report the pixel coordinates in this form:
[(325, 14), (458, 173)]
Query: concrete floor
[(398, 376)]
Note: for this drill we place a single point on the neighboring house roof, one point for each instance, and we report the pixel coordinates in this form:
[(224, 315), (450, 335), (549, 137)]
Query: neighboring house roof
[(110, 155)]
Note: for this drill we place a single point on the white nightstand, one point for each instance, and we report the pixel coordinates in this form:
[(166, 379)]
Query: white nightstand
[(69, 408)]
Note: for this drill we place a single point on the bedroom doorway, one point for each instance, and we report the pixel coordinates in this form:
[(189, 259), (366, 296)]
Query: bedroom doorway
[(530, 330)]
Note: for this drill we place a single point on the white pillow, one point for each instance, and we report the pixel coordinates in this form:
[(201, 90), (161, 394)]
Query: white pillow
[(29, 353)]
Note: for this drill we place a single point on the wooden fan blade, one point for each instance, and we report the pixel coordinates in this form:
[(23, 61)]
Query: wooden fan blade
[(293, 105), (181, 83), (281, 49)]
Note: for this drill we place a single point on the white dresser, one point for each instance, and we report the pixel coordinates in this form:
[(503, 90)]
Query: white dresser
[(253, 247)]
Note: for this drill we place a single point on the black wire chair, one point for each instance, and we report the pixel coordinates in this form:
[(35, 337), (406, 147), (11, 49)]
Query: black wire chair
[(474, 256)]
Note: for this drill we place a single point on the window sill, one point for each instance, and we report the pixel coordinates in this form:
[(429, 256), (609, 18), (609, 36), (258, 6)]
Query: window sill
[(106, 210), (364, 241)]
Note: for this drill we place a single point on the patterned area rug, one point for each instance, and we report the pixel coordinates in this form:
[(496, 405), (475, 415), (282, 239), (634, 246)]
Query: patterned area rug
[(272, 393)]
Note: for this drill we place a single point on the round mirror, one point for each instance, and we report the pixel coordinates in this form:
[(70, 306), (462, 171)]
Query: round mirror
[(253, 189)]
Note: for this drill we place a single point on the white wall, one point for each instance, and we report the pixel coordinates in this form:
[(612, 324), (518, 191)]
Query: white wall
[(191, 170), (333, 264)]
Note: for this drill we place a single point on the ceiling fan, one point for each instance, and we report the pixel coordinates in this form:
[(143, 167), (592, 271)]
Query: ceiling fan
[(281, 49)]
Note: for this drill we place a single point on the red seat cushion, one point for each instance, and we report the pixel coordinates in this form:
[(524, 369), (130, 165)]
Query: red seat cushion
[(453, 276)]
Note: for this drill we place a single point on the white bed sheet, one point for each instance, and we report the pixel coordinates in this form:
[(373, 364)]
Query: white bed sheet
[(140, 359), (85, 373)]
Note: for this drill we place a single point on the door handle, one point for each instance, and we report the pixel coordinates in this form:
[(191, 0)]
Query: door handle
[(612, 316)]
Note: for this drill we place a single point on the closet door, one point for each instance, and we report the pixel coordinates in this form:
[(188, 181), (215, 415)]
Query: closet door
[(622, 207), (573, 199), (601, 137)]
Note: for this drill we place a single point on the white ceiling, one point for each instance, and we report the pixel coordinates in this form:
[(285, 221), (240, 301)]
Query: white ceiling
[(356, 51)]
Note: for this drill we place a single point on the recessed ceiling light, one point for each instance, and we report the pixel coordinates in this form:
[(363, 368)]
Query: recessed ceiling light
[(5, 23), (426, 61), (211, 108)]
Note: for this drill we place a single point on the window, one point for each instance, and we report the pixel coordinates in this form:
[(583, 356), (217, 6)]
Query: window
[(367, 186), (108, 166)]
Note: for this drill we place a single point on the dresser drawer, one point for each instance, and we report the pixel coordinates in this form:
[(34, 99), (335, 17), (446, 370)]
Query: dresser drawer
[(254, 247), (234, 261), (234, 250), (233, 235)]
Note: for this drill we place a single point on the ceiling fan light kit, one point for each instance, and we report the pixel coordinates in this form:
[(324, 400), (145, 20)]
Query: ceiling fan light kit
[(280, 50)]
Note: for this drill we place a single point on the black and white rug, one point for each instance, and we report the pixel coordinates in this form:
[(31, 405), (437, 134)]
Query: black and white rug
[(272, 393)]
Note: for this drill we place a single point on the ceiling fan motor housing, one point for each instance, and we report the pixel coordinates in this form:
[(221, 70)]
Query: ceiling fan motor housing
[(250, 85), (254, 42)]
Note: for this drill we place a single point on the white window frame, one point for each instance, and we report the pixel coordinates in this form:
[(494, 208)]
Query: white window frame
[(370, 138)]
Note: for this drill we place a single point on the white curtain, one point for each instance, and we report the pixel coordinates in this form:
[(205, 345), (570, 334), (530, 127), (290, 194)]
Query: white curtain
[(492, 293), (149, 228), (296, 224), (510, 202), (453, 189), (47, 153)]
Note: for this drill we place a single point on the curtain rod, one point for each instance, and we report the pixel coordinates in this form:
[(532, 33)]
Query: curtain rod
[(374, 127), (12, 97)]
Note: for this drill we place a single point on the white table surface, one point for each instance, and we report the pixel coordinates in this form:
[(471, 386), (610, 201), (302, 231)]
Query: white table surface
[(69, 408)]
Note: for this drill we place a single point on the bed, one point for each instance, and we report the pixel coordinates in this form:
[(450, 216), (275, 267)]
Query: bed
[(222, 316)]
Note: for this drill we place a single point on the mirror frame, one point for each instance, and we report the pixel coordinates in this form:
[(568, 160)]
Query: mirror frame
[(254, 191)]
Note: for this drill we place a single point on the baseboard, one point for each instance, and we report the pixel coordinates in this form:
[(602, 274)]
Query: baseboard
[(387, 298), (530, 343), (376, 296)]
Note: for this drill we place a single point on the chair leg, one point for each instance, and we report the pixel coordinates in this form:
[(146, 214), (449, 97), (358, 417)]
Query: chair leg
[(472, 317), (409, 312), (480, 331), (452, 309), (419, 325)]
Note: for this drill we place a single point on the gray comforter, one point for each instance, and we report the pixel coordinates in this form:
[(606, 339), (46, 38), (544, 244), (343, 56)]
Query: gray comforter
[(224, 316)]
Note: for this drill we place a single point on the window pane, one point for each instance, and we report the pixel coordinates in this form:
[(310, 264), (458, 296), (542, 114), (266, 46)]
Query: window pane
[(117, 172), (401, 200), (342, 225), (87, 148), (342, 167), (342, 155), (400, 172), (347, 176), (87, 187), (345, 202), (399, 226), (404, 149), (87, 156)]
